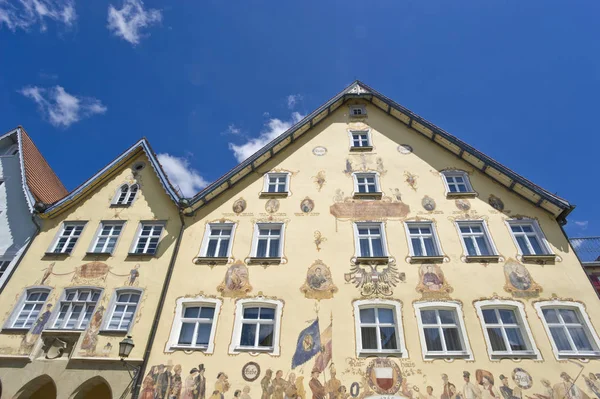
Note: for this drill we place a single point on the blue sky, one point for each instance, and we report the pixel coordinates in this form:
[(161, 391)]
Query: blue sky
[(208, 81)]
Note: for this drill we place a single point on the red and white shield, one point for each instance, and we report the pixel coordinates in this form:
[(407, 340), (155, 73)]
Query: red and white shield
[(384, 377)]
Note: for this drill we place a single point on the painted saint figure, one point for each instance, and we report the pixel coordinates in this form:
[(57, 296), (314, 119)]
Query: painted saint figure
[(91, 334), (431, 279), (317, 279), (36, 330), (519, 277), (133, 275)]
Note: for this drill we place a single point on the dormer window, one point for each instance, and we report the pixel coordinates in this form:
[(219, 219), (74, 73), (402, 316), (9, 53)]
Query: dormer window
[(360, 140), (125, 195), (276, 184), (457, 184), (366, 185), (358, 110)]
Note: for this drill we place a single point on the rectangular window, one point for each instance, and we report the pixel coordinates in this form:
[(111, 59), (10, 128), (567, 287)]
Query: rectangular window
[(218, 241), (277, 182), (67, 237), (258, 327), (124, 309), (196, 325), (268, 240), (148, 237), (360, 139), (457, 182), (107, 237), (4, 267), (422, 239), (76, 308), (30, 308), (442, 331), (505, 331), (475, 238), (529, 238), (569, 332), (378, 329), (370, 240), (366, 183)]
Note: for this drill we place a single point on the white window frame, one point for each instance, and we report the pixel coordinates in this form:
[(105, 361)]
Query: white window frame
[(485, 232), (56, 312), (361, 108), (113, 305), (237, 327), (138, 236), (208, 236), (586, 323), (101, 225), (59, 234), (538, 232), (18, 308), (181, 303), (381, 226), (519, 309), (367, 132), (436, 240), (396, 306), (129, 198), (268, 175), (357, 175), (457, 173), (256, 237), (443, 305), (8, 262)]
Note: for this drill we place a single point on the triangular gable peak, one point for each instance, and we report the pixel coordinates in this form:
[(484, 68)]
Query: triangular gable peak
[(553, 204), (142, 146)]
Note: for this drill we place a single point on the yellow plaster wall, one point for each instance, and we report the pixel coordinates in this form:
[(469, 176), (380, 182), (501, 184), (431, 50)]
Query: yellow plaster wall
[(469, 281), (151, 203)]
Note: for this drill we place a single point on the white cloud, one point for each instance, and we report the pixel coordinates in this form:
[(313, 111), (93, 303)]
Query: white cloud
[(22, 14), (129, 20), (61, 108), (274, 127), (232, 129), (292, 100), (181, 174), (583, 224)]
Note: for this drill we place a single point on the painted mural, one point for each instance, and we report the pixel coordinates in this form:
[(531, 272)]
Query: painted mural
[(462, 204), (272, 205), (319, 239), (318, 283), (518, 280), (239, 206), (496, 203), (428, 203), (374, 278), (90, 338), (236, 282), (411, 180), (31, 337), (432, 282), (319, 180), (307, 205)]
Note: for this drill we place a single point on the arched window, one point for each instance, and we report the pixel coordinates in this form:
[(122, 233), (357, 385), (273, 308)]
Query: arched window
[(123, 308), (125, 195)]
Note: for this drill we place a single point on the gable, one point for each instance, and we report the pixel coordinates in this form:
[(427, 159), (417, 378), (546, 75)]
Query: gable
[(551, 203)]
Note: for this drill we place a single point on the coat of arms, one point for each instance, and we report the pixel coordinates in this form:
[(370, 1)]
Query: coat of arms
[(384, 376)]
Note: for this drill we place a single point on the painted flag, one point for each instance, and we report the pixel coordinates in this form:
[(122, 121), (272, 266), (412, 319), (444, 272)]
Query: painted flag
[(309, 344), (326, 347)]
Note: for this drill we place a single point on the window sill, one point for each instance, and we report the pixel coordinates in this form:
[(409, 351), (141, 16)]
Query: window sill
[(482, 258), (523, 355), (579, 356), (114, 332), (207, 260), (61, 332), (468, 194), (427, 259), (382, 353), (266, 194), (461, 355), (376, 195), (61, 255), (14, 330), (540, 259), (362, 149), (263, 261), (120, 205), (103, 254), (253, 350), (188, 348), (148, 255), (381, 260)]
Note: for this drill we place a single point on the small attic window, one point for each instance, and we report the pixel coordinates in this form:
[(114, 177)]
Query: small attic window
[(139, 166), (358, 110)]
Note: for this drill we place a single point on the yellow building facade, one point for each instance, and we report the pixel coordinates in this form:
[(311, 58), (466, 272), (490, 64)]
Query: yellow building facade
[(367, 253), (92, 276)]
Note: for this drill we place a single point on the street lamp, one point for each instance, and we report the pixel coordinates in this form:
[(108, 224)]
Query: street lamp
[(125, 348)]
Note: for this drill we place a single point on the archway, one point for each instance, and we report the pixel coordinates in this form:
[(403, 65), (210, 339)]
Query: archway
[(41, 387), (94, 388)]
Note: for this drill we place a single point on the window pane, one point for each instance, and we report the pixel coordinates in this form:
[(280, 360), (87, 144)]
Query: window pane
[(367, 315), (432, 339), (388, 337), (550, 315), (377, 247), (416, 244), (507, 316), (212, 248), (364, 247), (560, 338), (489, 316), (452, 337), (535, 244), (265, 337), (274, 248), (483, 246), (430, 247), (267, 314), (515, 339), (223, 248), (447, 316), (523, 245), (428, 317), (261, 250), (251, 313), (203, 334), (186, 334), (248, 334), (496, 340), (386, 315), (569, 316), (580, 339), (368, 337), (470, 246), (191, 312), (207, 313)]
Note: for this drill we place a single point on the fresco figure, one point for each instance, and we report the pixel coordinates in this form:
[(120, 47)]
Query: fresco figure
[(317, 279), (333, 385), (133, 275), (519, 277), (245, 393), (91, 334), (200, 382), (36, 330), (176, 383), (505, 390), (189, 387), (307, 205), (278, 385), (432, 280), (489, 391), (453, 393), (291, 391), (147, 391), (265, 384), (470, 390), (222, 385), (429, 394), (236, 281), (548, 392), (163, 379), (239, 206), (593, 384), (445, 388), (237, 394), (47, 273), (343, 393), (318, 390), (567, 389)]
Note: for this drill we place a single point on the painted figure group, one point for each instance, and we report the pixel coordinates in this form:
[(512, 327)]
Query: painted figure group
[(162, 382)]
